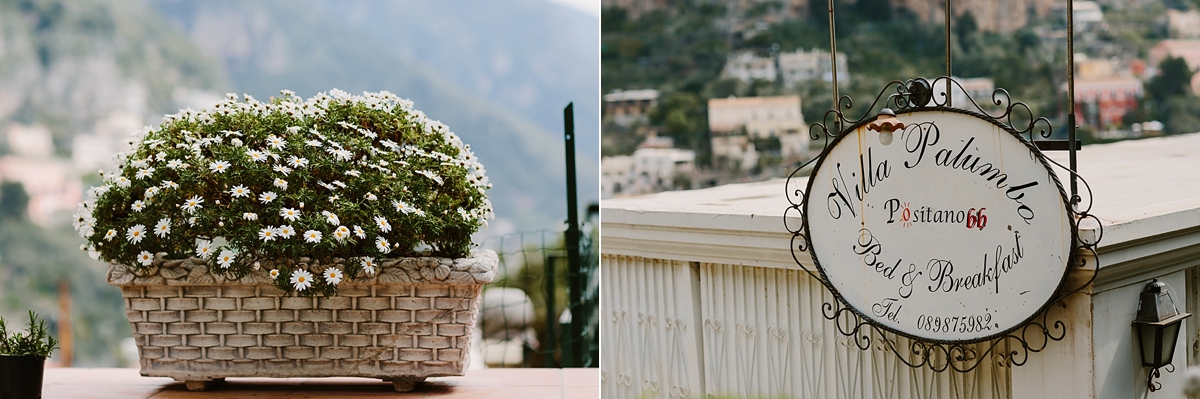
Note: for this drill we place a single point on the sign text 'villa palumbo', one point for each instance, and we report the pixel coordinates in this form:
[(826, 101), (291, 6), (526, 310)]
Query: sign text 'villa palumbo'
[(957, 231)]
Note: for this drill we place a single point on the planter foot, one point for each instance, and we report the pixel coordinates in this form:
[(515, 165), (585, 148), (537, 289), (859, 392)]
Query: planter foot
[(202, 385), (407, 385)]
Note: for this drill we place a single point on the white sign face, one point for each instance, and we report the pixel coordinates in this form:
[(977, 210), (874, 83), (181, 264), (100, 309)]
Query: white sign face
[(954, 232)]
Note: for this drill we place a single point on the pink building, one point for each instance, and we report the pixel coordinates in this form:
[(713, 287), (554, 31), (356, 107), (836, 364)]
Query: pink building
[(1103, 102)]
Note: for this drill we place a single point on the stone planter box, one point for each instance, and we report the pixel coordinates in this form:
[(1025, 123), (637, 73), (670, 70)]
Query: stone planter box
[(411, 321)]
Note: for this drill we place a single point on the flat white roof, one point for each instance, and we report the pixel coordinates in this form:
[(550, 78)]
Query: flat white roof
[(631, 95)]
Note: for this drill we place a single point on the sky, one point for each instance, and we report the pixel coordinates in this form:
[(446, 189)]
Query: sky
[(591, 7)]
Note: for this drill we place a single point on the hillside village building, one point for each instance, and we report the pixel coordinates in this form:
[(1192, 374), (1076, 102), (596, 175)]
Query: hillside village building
[(648, 170), (1105, 90), (52, 184), (747, 67), (735, 123), (627, 107), (801, 66)]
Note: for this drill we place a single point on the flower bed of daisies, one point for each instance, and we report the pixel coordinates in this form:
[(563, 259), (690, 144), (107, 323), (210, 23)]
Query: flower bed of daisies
[(335, 176)]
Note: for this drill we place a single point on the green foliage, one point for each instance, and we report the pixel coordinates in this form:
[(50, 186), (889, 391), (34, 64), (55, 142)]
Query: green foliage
[(14, 202), (333, 177), (1169, 99), (35, 341), (1174, 79), (874, 10), (684, 117)]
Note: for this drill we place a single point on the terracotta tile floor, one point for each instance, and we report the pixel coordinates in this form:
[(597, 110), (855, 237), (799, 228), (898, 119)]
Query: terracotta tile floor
[(477, 384)]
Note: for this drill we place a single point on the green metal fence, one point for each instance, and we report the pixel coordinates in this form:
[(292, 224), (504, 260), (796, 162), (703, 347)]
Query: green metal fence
[(528, 311)]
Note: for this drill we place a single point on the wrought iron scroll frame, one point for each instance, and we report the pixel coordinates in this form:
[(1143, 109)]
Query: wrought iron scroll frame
[(1035, 333)]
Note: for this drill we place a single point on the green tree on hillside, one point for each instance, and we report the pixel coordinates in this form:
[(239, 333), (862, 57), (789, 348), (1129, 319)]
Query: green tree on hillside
[(1169, 99), (1174, 79), (14, 202)]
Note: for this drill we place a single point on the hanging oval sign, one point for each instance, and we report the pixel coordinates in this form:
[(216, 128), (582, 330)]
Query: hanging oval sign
[(958, 231)]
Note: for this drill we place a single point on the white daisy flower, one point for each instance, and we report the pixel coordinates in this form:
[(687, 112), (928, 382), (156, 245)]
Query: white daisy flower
[(297, 162), (382, 245), (282, 169), (192, 204), (282, 184), (160, 156), (274, 273), (331, 218), (218, 166), (175, 164), (137, 206), (152, 191), (358, 231), (368, 265), (226, 258), (250, 216), (383, 224), (144, 173), (93, 253), (370, 197), (110, 234), (286, 231), (341, 233), (163, 227), (313, 143), (301, 279), (333, 275), (256, 155), (236, 141), (135, 233), (239, 191), (170, 184), (339, 183), (275, 142), (430, 175), (312, 236), (267, 233), (141, 163), (354, 173), (342, 155), (122, 182), (402, 206), (290, 214), (267, 197), (145, 258), (204, 249)]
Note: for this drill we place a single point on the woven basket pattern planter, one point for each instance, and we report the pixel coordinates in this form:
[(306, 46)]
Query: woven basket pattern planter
[(411, 321)]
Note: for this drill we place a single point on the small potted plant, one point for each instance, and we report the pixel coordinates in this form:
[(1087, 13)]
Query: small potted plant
[(23, 359), (327, 236)]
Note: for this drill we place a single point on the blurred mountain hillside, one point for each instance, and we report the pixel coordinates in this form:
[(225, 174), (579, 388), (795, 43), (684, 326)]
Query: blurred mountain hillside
[(529, 56), (69, 64), (511, 118)]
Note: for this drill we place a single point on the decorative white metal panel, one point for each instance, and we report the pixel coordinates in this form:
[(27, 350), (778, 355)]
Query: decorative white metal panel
[(649, 339), (672, 330), (765, 336)]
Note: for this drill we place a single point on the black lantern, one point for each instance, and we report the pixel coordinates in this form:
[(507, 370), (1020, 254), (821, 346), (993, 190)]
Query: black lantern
[(1157, 324)]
